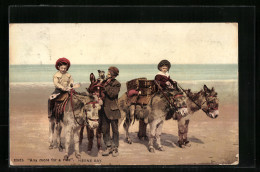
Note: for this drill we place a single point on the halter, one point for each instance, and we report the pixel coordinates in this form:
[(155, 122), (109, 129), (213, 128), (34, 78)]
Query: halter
[(179, 95), (215, 108), (93, 103), (199, 106)]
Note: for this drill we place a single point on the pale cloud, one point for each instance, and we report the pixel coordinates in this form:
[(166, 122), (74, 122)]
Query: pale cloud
[(124, 43)]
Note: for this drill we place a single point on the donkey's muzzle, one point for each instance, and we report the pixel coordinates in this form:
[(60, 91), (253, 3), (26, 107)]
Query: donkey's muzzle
[(93, 124), (213, 114), (183, 111)]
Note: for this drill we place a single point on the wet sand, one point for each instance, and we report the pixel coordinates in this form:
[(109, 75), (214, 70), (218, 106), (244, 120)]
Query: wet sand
[(213, 141)]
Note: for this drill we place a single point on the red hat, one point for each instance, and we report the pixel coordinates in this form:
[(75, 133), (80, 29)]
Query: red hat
[(61, 61)]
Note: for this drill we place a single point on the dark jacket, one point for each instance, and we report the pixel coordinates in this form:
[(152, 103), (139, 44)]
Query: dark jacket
[(111, 100), (163, 79)]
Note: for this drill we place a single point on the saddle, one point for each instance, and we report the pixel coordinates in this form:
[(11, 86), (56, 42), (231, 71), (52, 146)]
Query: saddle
[(146, 87), (59, 105)]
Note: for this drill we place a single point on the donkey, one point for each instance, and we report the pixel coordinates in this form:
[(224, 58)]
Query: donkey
[(156, 113), (95, 88), (81, 109), (206, 99)]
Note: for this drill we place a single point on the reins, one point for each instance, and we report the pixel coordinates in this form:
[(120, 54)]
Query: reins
[(93, 103), (160, 88), (199, 106)]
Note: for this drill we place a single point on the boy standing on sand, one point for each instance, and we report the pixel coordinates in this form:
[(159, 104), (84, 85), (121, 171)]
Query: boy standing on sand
[(112, 113), (62, 80)]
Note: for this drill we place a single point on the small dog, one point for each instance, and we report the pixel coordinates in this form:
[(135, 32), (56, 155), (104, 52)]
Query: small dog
[(101, 76)]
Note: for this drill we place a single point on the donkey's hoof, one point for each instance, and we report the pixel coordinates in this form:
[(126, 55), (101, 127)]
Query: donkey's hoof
[(181, 145), (60, 148), (187, 143), (66, 157), (151, 150), (128, 140), (77, 155), (51, 147), (161, 149), (100, 151)]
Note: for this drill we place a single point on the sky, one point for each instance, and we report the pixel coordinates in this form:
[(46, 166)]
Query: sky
[(124, 43)]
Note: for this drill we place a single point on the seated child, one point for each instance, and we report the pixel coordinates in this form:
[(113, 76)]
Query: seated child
[(62, 80), (163, 76)]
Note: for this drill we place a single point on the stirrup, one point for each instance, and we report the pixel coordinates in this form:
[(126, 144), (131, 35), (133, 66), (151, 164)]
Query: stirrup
[(53, 96)]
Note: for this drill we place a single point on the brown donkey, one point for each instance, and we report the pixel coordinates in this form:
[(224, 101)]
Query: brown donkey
[(95, 88)]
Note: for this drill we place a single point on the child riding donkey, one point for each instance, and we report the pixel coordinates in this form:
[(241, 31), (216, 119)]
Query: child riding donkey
[(63, 83), (140, 92), (162, 81), (160, 98)]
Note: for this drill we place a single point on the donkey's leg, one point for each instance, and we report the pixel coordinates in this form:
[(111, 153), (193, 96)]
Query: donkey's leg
[(76, 141), (81, 134), (152, 137), (158, 135), (185, 137), (126, 125), (142, 130), (132, 113), (181, 131), (58, 130), (98, 135), (68, 130), (51, 132), (90, 138)]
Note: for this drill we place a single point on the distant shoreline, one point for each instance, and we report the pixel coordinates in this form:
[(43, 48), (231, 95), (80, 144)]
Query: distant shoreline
[(131, 64)]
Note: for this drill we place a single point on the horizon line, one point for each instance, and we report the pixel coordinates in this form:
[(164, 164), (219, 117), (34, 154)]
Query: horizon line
[(138, 64)]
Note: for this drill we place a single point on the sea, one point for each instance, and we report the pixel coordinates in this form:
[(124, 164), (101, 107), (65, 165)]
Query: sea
[(80, 73)]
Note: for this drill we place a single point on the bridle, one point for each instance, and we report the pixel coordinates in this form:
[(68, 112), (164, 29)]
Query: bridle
[(72, 92), (199, 106), (210, 102), (179, 95)]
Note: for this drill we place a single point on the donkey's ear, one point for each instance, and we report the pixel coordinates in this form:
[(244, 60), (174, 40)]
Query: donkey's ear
[(187, 91), (92, 78), (99, 71), (213, 89), (205, 88)]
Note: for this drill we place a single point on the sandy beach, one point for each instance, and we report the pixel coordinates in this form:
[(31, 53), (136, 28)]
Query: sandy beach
[(213, 141)]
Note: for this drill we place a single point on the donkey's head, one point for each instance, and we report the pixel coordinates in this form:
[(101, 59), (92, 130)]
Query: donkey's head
[(91, 109), (179, 101), (211, 102), (89, 105)]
